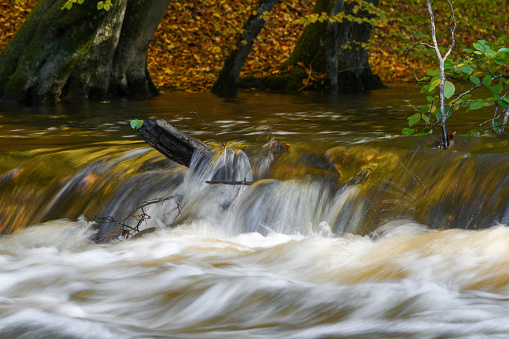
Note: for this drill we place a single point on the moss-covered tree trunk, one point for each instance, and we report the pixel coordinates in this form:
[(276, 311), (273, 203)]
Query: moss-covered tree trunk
[(334, 47), (226, 83), (321, 49), (83, 52), (354, 72)]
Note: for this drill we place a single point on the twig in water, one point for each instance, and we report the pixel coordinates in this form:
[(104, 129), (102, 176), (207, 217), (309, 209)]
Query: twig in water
[(227, 182), (127, 232), (212, 128)]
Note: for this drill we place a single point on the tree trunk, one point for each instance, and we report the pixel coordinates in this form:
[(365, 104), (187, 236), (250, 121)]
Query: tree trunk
[(354, 72), (333, 47), (172, 143), (226, 83), (130, 74), (320, 49), (82, 52), (310, 48)]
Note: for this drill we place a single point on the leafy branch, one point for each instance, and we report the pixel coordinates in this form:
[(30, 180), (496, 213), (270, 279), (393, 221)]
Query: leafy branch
[(483, 65), (101, 5)]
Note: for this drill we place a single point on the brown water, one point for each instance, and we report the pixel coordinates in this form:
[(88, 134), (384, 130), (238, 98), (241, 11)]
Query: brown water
[(351, 233)]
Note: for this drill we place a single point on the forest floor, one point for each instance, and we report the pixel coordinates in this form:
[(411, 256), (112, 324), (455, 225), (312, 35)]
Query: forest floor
[(194, 38)]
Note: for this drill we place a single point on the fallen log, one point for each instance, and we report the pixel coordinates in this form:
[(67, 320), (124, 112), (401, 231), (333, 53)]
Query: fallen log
[(172, 143)]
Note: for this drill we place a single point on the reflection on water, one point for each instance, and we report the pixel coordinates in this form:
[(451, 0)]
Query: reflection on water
[(350, 233), (247, 117)]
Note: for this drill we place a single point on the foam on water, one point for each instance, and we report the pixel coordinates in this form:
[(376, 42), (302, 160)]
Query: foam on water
[(195, 281)]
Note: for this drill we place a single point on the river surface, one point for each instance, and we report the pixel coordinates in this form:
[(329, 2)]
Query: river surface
[(349, 230)]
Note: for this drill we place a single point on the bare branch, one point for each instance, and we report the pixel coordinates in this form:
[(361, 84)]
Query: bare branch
[(127, 231), (453, 29), (244, 182), (212, 128), (415, 44)]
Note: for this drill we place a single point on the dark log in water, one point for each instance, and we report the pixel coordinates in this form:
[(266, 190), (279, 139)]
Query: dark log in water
[(167, 139)]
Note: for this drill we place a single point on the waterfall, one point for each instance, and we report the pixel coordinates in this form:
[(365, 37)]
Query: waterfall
[(351, 188)]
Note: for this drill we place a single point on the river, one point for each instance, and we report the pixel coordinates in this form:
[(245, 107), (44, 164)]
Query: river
[(349, 230)]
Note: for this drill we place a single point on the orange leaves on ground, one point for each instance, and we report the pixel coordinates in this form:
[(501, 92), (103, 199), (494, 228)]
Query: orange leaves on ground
[(12, 15), (408, 23), (203, 32), (194, 38)]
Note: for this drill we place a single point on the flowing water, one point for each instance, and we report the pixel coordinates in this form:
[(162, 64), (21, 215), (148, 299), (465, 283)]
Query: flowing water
[(348, 230)]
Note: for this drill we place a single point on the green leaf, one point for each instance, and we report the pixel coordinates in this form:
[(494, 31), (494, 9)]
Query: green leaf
[(499, 61), (434, 83), (490, 53), (497, 89), (449, 64), (448, 110), (425, 109), (467, 69), (475, 80), (503, 53), (408, 131), (414, 119), (413, 106), (449, 89), (100, 5), (478, 46), (470, 133), (486, 80), (424, 89), (479, 103), (433, 72), (496, 126), (430, 98), (425, 118), (136, 124)]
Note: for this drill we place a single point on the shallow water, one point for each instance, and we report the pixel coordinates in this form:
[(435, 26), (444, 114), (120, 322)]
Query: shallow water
[(351, 233)]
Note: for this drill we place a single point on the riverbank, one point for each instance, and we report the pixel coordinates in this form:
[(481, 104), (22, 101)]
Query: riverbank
[(194, 38)]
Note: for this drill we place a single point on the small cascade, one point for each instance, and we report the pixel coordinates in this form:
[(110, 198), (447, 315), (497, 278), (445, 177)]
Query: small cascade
[(352, 188), (217, 190), (294, 207), (204, 193), (407, 179), (87, 182), (208, 191)]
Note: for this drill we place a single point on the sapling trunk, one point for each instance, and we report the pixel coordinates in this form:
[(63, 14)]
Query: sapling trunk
[(441, 60), (506, 117)]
